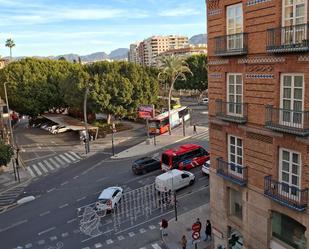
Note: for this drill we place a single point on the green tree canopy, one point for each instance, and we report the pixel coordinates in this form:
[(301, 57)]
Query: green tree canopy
[(6, 153)]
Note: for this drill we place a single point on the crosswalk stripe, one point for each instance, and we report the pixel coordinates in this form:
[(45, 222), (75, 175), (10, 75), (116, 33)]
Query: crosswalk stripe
[(48, 165), (36, 169), (59, 160), (75, 155), (31, 172), (69, 156), (65, 159), (54, 163), (43, 167), (156, 246)]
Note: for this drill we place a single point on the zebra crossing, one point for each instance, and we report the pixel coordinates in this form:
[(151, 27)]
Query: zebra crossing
[(202, 136), (52, 164), (9, 197)]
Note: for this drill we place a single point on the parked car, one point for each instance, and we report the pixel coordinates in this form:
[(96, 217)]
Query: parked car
[(144, 165), (60, 129), (174, 180), (45, 125), (205, 168), (108, 198), (204, 101), (53, 127)]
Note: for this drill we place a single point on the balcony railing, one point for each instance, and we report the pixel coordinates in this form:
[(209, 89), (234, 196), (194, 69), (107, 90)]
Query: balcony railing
[(229, 45), (288, 39), (288, 121), (233, 112), (232, 172), (285, 194)]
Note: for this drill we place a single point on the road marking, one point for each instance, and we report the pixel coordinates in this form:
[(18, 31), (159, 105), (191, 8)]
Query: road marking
[(131, 234), (75, 177), (75, 155), (45, 213), (152, 227), (65, 234), (64, 205), (36, 169), (59, 160), (53, 238), (41, 242), (142, 230), (109, 241), (143, 248), (86, 247), (156, 246), (39, 147), (98, 245), (29, 245), (120, 237), (31, 172), (101, 179), (76, 231), (69, 156), (48, 165), (43, 167), (13, 225), (50, 190), (80, 199), (64, 183), (53, 162), (70, 221), (47, 230), (65, 159)]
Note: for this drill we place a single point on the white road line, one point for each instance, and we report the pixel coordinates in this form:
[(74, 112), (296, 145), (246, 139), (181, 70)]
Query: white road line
[(52, 238), (65, 159), (75, 155), (41, 242), (64, 205), (142, 230), (101, 179), (48, 165), (50, 190), (47, 230), (36, 169), (59, 160), (82, 198), (45, 213), (131, 234), (13, 225), (109, 241), (31, 172), (29, 245), (64, 183), (53, 162), (143, 248), (70, 221), (75, 177), (98, 245), (156, 246), (65, 234), (152, 227), (69, 156), (42, 167), (120, 237)]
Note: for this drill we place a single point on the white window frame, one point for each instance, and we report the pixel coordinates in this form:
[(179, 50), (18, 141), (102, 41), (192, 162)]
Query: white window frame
[(230, 167), (282, 122), (282, 191), (235, 94), (227, 28)]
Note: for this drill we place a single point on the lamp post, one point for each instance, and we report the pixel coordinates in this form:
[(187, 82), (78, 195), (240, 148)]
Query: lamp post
[(87, 146)]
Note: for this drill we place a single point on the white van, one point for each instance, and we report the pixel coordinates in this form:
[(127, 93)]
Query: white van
[(174, 180)]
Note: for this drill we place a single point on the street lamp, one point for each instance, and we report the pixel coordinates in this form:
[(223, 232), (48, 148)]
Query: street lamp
[(87, 145)]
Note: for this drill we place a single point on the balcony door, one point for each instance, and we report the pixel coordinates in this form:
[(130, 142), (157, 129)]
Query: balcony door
[(234, 95), (289, 173), (294, 20), (292, 100), (234, 26), (235, 154)]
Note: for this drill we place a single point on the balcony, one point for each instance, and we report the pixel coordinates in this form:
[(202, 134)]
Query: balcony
[(285, 194), (288, 39), (232, 172), (229, 45), (288, 121), (232, 112)]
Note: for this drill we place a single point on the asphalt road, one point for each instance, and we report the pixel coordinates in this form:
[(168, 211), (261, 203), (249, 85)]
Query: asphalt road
[(52, 218)]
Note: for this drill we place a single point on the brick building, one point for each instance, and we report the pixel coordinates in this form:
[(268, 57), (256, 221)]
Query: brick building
[(258, 53)]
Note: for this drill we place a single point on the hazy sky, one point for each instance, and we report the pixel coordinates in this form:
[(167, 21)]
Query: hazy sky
[(54, 27)]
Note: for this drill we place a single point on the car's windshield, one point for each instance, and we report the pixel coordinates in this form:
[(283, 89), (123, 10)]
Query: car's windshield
[(103, 200)]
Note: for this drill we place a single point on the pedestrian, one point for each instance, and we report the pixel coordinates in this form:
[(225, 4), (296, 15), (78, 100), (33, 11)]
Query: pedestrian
[(183, 242), (194, 129), (164, 225), (199, 222), (208, 230)]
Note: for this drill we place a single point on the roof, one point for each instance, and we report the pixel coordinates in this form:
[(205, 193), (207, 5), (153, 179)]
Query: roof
[(182, 149), (165, 114), (71, 123), (108, 193), (170, 173)]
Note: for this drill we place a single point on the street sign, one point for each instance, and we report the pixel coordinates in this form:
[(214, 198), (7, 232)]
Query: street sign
[(196, 227), (195, 235)]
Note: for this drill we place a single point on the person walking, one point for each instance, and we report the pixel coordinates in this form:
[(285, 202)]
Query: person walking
[(164, 225), (199, 222), (183, 242), (194, 129), (208, 230)]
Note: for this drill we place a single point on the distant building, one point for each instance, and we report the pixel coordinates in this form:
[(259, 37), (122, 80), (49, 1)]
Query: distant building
[(3, 63), (133, 53)]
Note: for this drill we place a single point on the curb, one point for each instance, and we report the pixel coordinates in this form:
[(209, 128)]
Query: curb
[(15, 186)]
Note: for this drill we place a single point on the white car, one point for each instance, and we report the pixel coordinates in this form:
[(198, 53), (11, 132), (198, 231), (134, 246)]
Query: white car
[(53, 127), (60, 129), (108, 198), (204, 101), (205, 168)]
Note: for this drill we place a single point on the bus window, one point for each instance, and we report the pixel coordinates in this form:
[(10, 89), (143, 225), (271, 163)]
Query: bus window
[(165, 159)]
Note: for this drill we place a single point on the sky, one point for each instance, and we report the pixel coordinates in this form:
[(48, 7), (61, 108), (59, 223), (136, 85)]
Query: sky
[(56, 27)]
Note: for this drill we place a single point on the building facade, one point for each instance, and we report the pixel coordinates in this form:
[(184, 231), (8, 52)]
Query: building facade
[(133, 53), (258, 55)]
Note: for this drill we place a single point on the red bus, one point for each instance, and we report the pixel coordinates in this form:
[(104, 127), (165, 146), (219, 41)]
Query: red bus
[(184, 157), (160, 123)]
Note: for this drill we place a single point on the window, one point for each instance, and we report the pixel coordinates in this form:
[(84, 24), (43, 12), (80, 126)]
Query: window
[(234, 26), (235, 154), (292, 94), (235, 203), (165, 159), (234, 88), (289, 175), (288, 231)]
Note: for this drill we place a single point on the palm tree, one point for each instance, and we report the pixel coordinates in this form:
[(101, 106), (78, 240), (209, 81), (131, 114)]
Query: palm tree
[(172, 68), (10, 44)]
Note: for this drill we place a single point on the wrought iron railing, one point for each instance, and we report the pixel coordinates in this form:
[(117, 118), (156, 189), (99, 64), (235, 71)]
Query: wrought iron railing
[(288, 39), (285, 194), (230, 111), (236, 44), (233, 172), (288, 121)]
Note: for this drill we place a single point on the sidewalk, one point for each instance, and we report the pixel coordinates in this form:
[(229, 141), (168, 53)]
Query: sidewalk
[(183, 226), (161, 141)]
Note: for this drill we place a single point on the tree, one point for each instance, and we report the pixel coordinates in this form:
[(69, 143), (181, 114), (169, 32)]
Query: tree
[(197, 80), (10, 44), (6, 153), (62, 58), (171, 69)]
